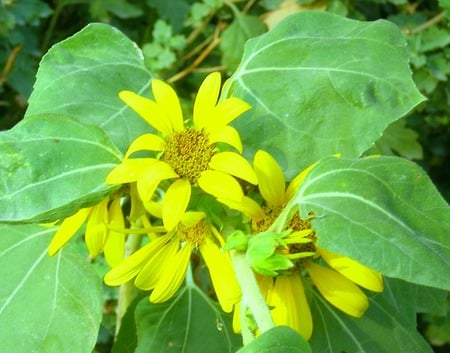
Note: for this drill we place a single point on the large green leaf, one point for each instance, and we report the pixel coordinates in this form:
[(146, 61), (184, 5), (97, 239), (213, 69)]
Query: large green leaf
[(51, 166), (386, 327), (82, 75), (382, 211), (280, 339), (190, 323), (322, 84), (47, 304)]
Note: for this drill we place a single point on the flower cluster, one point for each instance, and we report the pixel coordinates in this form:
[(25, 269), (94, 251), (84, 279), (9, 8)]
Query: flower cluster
[(163, 178)]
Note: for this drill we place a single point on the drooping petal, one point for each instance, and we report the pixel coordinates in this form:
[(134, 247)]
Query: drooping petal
[(131, 266), (206, 100), (168, 100), (150, 179), (175, 203), (233, 164), (137, 207), (289, 305), (271, 180), (67, 230), (146, 142), (338, 290), (173, 275), (220, 185), (297, 181), (147, 109), (237, 318), (129, 170), (247, 206), (353, 270), (154, 208), (222, 275), (226, 111), (228, 135), (156, 265), (96, 230), (114, 248)]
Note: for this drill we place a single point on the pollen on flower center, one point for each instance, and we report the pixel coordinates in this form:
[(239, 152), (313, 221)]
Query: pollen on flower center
[(188, 153), (195, 234)]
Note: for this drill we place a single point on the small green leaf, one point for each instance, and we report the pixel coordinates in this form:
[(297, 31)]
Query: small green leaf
[(279, 339), (82, 76), (51, 166), (47, 304), (382, 211), (190, 323), (321, 84)]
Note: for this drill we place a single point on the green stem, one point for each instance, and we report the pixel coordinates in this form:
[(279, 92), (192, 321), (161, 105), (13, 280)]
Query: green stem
[(51, 27), (431, 22), (251, 294)]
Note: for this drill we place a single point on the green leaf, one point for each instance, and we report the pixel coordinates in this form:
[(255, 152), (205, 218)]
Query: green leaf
[(82, 76), (235, 36), (384, 328), (189, 322), (280, 339), (51, 166), (47, 304), (322, 84), (382, 211)]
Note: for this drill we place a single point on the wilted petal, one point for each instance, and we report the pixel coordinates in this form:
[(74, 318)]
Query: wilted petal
[(271, 180), (175, 203), (168, 100), (146, 142), (233, 164), (338, 290), (222, 275), (220, 185), (67, 230), (353, 270), (96, 230), (172, 277), (151, 112), (206, 100)]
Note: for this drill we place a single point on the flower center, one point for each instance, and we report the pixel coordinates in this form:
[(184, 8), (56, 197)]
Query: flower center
[(195, 234), (188, 152)]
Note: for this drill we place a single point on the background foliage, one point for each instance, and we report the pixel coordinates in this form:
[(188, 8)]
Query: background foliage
[(183, 38)]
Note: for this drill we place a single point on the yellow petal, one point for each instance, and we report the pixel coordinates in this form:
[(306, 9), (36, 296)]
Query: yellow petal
[(168, 100), (228, 135), (222, 275), (114, 248), (237, 318), (154, 208), (151, 112), (129, 170), (289, 305), (338, 290), (67, 230), (131, 266), (175, 203), (271, 180), (233, 164), (227, 111), (173, 275), (96, 230), (191, 218), (297, 181), (137, 207), (149, 181), (146, 142), (353, 270), (206, 100), (220, 185), (247, 206)]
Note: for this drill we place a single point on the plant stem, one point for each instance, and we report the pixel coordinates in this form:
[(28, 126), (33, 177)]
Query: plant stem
[(251, 294), (431, 22)]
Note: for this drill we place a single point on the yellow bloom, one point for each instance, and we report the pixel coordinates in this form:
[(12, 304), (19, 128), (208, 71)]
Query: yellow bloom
[(98, 235), (185, 153), (161, 264), (337, 283)]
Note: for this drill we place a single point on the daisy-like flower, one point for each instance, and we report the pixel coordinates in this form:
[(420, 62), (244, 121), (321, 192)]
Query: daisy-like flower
[(185, 153), (338, 282), (161, 264), (100, 219)]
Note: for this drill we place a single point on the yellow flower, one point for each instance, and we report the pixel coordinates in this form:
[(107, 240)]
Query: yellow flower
[(186, 154), (161, 264), (338, 282), (98, 235)]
